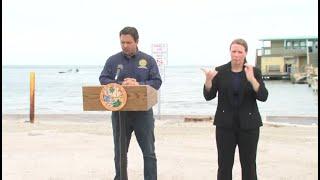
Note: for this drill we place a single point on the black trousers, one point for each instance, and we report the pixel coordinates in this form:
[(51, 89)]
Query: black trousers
[(247, 140), (142, 124)]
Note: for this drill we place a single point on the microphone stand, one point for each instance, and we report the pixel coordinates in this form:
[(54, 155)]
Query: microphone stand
[(123, 141)]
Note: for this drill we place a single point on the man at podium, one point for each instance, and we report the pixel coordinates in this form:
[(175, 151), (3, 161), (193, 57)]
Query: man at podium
[(133, 67)]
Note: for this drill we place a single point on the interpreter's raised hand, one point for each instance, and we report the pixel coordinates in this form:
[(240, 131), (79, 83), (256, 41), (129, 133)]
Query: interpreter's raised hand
[(249, 72), (209, 73), (130, 82)]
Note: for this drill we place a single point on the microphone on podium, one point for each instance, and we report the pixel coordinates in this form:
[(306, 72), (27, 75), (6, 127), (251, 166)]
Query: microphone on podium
[(119, 68)]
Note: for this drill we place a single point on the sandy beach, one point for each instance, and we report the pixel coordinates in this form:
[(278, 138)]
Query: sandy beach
[(73, 147)]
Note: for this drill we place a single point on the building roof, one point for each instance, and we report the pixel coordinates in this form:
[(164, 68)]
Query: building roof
[(289, 38)]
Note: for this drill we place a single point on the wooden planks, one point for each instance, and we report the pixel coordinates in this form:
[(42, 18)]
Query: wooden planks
[(140, 98)]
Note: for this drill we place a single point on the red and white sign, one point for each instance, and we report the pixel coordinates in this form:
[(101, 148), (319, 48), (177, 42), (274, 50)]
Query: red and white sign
[(160, 53)]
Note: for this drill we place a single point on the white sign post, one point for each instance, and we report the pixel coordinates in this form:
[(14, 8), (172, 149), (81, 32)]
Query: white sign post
[(160, 53)]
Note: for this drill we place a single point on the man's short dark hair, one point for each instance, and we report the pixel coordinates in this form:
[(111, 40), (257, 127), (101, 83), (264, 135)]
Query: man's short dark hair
[(131, 31)]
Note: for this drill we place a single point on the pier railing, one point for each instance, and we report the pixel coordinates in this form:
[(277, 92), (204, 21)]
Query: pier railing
[(285, 52)]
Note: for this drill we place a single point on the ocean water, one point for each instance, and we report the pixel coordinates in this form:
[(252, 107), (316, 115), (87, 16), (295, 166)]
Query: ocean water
[(180, 93)]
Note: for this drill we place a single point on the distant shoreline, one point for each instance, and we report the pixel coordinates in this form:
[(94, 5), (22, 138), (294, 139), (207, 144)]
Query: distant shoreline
[(97, 117)]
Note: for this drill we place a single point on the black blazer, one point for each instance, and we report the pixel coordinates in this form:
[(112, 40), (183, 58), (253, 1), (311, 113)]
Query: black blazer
[(249, 115)]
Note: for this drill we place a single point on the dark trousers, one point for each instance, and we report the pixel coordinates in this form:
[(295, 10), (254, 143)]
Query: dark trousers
[(247, 141), (142, 123)]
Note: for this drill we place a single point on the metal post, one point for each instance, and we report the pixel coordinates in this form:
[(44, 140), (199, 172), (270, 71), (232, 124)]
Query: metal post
[(123, 148), (32, 89), (308, 60), (159, 104)]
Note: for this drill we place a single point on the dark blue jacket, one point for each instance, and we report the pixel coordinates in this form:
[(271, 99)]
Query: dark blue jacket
[(141, 66), (249, 115)]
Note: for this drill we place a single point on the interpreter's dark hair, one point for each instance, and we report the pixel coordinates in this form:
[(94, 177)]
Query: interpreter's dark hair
[(130, 31), (241, 42)]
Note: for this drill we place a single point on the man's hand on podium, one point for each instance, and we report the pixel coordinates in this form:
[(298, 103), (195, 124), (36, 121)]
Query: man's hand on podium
[(130, 82)]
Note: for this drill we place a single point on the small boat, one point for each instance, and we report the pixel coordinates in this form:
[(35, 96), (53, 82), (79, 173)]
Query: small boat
[(314, 84), (70, 70), (299, 78)]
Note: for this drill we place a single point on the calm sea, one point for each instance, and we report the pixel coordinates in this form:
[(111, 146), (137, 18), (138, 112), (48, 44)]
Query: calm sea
[(181, 92)]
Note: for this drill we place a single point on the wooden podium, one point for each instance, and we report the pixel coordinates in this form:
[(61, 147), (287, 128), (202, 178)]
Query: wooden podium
[(138, 98)]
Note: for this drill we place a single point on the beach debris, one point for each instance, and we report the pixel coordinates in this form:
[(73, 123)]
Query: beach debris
[(197, 118)]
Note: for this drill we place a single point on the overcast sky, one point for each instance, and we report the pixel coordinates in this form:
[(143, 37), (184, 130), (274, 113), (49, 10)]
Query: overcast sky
[(198, 32)]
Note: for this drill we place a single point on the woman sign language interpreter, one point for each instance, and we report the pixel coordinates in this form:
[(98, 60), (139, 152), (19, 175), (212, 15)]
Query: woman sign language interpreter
[(238, 86)]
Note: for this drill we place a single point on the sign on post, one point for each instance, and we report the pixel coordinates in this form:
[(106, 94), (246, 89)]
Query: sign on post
[(160, 53)]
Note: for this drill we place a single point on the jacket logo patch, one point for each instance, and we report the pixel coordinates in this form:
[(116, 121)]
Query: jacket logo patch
[(142, 63)]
